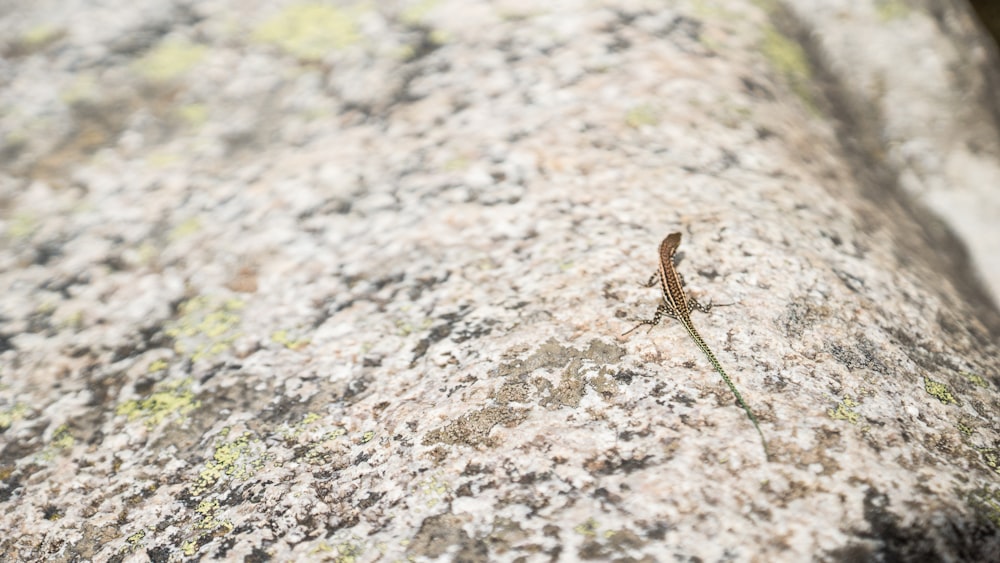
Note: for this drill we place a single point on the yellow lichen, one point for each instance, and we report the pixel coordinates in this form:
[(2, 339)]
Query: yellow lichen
[(22, 225), (845, 411), (61, 441), (133, 542), (206, 327), (588, 528), (641, 115), (965, 429), (135, 538), (291, 433), (84, 88), (238, 459), (159, 159), (318, 452), (194, 115), (189, 227), (939, 391), (282, 337), (433, 490), (169, 60), (889, 10), (985, 502), (310, 31), (346, 551), (974, 379), (788, 58), (416, 13), (41, 35), (991, 458), (174, 398), (12, 414), (208, 509)]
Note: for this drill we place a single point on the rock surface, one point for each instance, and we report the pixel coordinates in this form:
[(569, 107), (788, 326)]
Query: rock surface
[(315, 281)]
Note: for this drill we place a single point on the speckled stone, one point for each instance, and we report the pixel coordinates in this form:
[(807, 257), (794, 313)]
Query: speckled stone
[(302, 281)]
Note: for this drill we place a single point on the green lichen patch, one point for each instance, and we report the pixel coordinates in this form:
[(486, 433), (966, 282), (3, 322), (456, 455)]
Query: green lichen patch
[(296, 430), (349, 549), (22, 225), (184, 229), (587, 528), (133, 542), (991, 457), (966, 428), (8, 415), (194, 115), (974, 379), (789, 59), (169, 60), (285, 338), (172, 399), (53, 513), (33, 40), (206, 327), (40, 36), (985, 503), (310, 31), (433, 490), (939, 391), (641, 115), (316, 443), (889, 10), (85, 89), (237, 460), (60, 443), (418, 11), (845, 411), (208, 512)]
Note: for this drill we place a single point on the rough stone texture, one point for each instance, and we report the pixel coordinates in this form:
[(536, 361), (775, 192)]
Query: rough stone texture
[(927, 76), (346, 282)]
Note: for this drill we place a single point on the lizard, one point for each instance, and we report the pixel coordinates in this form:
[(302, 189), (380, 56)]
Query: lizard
[(677, 305)]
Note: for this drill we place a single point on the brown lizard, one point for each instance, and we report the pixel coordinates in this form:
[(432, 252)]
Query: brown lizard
[(677, 306)]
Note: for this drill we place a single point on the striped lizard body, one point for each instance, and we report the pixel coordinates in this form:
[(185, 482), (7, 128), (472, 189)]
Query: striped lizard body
[(677, 306)]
